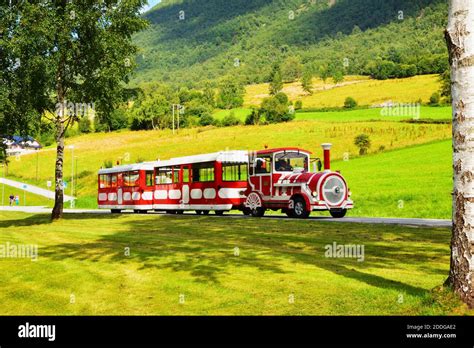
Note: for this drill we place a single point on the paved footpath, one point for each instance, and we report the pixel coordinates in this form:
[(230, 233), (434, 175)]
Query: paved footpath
[(384, 221), (30, 188)]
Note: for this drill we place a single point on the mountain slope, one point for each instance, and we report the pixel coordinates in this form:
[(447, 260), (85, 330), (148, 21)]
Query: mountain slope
[(190, 41)]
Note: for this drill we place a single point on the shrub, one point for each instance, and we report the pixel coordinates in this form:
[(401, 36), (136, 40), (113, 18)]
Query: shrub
[(85, 125), (350, 103), (206, 120), (108, 164), (298, 105), (362, 141), (434, 99), (230, 120), (253, 118)]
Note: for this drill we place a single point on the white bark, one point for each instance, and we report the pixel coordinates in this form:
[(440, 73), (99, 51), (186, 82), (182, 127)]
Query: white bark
[(460, 40)]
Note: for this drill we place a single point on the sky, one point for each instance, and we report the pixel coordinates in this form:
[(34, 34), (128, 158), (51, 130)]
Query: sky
[(151, 3)]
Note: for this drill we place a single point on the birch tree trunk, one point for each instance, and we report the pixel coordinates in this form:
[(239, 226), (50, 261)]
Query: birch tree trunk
[(460, 40)]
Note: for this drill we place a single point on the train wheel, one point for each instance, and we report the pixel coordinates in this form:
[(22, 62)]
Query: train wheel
[(246, 211), (115, 211), (136, 211), (257, 212), (219, 212), (198, 212), (340, 213), (205, 212), (299, 208), (180, 212), (171, 212)]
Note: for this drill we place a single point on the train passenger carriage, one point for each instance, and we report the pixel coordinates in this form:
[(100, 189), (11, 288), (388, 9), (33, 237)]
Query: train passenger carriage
[(127, 187), (203, 183)]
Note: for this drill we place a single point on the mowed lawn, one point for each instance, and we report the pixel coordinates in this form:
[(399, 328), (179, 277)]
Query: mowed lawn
[(190, 265), (411, 182)]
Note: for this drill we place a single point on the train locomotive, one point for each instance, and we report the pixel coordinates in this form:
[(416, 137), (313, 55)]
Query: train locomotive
[(252, 182)]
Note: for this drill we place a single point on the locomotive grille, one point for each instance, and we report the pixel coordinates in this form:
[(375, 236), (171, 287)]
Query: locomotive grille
[(334, 190)]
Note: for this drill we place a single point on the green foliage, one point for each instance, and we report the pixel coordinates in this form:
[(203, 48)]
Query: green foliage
[(291, 69), (107, 164), (434, 99), (204, 46), (253, 118), (298, 105), (85, 125), (276, 80), (362, 141), (231, 94), (207, 120), (445, 91), (337, 76), (307, 81), (230, 120), (275, 109), (350, 103)]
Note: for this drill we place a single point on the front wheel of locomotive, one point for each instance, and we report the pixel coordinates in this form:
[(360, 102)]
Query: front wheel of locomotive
[(299, 210), (338, 213)]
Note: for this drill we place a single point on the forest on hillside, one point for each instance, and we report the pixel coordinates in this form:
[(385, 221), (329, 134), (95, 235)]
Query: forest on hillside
[(189, 42)]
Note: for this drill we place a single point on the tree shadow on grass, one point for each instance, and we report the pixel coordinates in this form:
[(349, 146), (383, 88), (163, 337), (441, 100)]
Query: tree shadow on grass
[(205, 247)]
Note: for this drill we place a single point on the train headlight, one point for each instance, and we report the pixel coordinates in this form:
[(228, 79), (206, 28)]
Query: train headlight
[(315, 193)]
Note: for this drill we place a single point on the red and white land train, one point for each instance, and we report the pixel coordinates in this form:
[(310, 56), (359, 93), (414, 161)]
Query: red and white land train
[(253, 182)]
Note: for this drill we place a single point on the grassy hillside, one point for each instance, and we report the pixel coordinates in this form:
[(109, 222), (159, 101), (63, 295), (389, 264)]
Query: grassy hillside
[(190, 41), (365, 91), (187, 265)]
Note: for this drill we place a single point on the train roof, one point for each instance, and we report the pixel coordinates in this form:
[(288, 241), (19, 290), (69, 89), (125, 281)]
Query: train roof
[(283, 149), (237, 156), (128, 168)]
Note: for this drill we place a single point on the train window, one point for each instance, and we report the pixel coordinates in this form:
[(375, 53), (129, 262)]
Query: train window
[(113, 180), (203, 172), (149, 178), (175, 175), (234, 172), (263, 164), (291, 161), (186, 173), (164, 175), (103, 181), (131, 178)]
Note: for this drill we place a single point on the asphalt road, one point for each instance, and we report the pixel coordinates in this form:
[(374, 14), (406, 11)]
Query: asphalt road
[(363, 220)]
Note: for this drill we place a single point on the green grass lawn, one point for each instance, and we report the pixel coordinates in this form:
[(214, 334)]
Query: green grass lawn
[(193, 260), (426, 112), (411, 182), (26, 198)]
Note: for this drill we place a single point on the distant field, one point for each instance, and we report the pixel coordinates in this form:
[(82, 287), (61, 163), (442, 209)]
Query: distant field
[(363, 90), (91, 150), (190, 265)]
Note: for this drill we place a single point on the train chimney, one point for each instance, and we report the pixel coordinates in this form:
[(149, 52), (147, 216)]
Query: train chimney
[(327, 156)]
